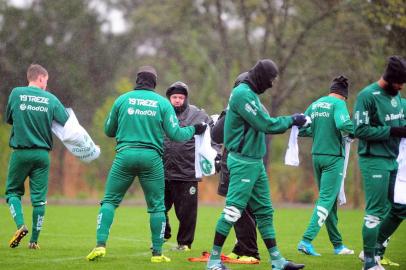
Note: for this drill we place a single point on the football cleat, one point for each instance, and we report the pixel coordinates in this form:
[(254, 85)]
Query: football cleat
[(96, 253), (33, 245), (387, 261), (361, 256), (248, 259), (383, 261), (376, 267), (343, 250), (232, 255), (19, 234), (218, 266), (160, 259), (181, 248), (289, 266), (307, 248)]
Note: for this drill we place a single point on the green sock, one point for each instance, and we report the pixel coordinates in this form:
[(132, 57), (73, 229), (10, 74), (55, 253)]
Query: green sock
[(38, 213), (215, 255), (274, 253), (223, 226), (370, 235), (104, 221), (369, 259), (157, 222), (16, 211)]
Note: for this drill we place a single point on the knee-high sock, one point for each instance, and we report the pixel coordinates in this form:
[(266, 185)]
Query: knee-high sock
[(16, 211), (223, 228), (104, 221), (370, 231), (157, 223), (38, 213)]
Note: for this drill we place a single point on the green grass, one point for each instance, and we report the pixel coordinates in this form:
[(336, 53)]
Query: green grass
[(69, 235)]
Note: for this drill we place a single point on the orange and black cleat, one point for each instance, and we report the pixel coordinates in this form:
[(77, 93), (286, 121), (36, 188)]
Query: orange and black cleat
[(20, 233)]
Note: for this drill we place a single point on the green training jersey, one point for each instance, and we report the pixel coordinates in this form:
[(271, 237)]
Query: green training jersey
[(330, 120), (140, 118), (246, 123), (31, 110), (375, 112)]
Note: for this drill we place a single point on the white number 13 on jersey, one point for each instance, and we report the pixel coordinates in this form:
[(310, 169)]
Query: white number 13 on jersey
[(362, 119)]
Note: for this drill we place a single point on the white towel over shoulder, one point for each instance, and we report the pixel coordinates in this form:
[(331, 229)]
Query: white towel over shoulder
[(204, 155), (400, 184), (76, 139)]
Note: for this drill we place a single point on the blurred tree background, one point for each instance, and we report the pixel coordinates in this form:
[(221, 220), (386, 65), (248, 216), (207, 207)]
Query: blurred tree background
[(205, 43)]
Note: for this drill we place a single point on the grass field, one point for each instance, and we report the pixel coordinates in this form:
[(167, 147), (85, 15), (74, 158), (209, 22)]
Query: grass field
[(69, 234)]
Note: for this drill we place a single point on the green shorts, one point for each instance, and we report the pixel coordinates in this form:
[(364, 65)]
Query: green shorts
[(144, 163), (32, 163)]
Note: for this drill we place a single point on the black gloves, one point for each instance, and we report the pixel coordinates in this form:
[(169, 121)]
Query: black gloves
[(200, 128), (399, 132), (299, 119)]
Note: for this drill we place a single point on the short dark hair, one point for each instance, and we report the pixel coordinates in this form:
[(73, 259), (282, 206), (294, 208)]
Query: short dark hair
[(35, 70)]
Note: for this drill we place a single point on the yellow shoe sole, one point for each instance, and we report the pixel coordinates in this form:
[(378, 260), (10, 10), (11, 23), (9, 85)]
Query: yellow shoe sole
[(98, 252), (19, 234), (160, 259)]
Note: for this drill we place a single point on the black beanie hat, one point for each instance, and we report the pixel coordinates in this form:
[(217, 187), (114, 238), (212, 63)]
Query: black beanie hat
[(339, 86), (177, 88), (146, 78), (395, 70)]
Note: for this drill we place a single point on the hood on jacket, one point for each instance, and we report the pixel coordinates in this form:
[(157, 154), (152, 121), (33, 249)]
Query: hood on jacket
[(179, 88), (240, 78), (261, 75)]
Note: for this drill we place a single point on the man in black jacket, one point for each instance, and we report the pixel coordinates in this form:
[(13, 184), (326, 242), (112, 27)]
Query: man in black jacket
[(181, 184)]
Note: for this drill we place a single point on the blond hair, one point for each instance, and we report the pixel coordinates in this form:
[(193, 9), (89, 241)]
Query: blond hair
[(35, 70)]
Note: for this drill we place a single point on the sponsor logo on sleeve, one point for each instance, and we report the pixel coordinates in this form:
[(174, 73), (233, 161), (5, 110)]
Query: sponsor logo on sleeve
[(249, 108)]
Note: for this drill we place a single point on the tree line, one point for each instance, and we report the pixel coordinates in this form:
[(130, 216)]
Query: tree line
[(206, 44)]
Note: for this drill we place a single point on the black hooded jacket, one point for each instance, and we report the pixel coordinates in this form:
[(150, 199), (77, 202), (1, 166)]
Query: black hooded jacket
[(179, 157)]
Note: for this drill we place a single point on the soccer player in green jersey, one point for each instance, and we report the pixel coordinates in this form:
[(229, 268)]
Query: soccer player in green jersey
[(138, 120), (30, 111), (379, 124), (391, 222), (330, 121), (244, 137)]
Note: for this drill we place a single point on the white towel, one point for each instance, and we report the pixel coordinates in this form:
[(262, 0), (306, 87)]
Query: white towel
[(400, 184), (204, 155), (292, 153), (76, 139), (341, 196)]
